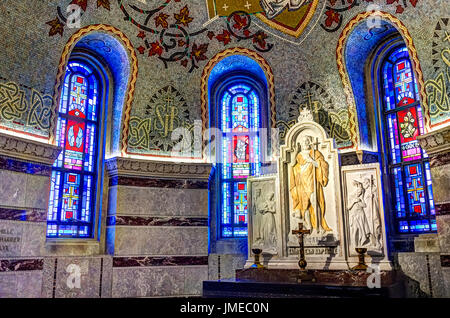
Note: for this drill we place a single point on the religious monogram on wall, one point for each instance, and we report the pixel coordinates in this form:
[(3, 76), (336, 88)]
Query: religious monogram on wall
[(166, 111), (25, 109), (313, 97), (363, 209), (438, 88)]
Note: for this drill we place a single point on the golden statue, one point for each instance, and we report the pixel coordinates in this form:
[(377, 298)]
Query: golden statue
[(307, 178)]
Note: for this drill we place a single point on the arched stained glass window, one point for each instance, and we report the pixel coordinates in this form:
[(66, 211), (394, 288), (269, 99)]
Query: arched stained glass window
[(409, 166), (74, 173), (240, 154)]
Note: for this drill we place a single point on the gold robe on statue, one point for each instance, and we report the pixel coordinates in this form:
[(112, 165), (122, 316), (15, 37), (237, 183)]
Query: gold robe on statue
[(302, 186)]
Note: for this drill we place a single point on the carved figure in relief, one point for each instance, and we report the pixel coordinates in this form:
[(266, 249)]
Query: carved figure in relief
[(308, 178), (373, 212), (359, 226), (265, 234)]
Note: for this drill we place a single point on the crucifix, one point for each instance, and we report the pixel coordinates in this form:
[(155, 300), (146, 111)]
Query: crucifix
[(303, 275), (300, 233)]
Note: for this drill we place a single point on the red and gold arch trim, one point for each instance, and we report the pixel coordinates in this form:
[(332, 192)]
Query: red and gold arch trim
[(340, 52), (132, 80), (216, 59)]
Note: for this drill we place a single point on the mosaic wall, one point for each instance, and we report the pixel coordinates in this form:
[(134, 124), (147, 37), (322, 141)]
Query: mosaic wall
[(438, 87), (175, 39), (24, 109), (314, 97)]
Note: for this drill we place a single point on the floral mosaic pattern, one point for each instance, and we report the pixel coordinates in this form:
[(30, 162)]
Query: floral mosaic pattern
[(334, 11)]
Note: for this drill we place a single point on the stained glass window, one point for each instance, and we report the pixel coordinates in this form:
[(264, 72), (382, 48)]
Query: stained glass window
[(240, 155), (408, 163), (73, 180)]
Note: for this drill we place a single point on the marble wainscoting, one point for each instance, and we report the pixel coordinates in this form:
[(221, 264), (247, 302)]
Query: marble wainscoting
[(77, 277), (21, 277), (425, 274), (445, 265), (164, 276), (157, 227), (25, 168)]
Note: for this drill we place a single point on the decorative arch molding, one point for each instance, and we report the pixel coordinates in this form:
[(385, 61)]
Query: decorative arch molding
[(237, 51), (342, 68), (131, 81)]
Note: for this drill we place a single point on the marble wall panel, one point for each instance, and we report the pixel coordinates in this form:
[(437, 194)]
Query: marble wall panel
[(446, 279), (77, 277), (224, 266), (441, 183), (161, 201), (137, 240), (12, 188), (193, 280), (21, 238), (158, 281), (426, 270), (22, 214), (24, 284), (37, 192), (414, 265), (435, 275), (443, 225)]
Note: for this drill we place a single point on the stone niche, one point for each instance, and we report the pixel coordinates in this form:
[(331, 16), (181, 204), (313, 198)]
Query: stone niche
[(310, 194)]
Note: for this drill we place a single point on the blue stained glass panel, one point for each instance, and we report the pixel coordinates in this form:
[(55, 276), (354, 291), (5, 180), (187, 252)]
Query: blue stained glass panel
[(411, 177), (404, 83), (388, 87), (415, 187), (73, 181), (430, 188), (240, 155), (394, 140), (240, 203), (420, 226), (226, 195), (400, 206)]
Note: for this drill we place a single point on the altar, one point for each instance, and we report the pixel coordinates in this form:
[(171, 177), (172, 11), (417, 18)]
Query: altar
[(339, 206), (282, 283)]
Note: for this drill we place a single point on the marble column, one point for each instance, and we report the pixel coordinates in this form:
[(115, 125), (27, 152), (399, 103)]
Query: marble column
[(157, 227), (437, 145)]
